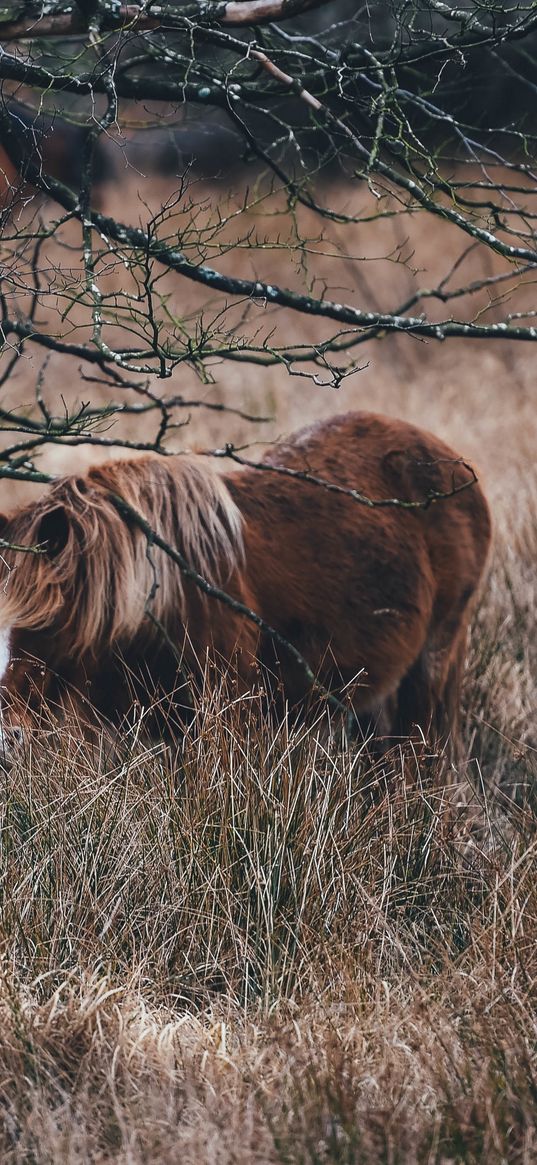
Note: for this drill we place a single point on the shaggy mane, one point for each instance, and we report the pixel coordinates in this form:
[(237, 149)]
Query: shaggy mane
[(96, 587)]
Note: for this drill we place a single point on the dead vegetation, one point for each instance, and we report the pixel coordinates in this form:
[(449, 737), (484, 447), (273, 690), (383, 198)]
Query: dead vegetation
[(268, 947)]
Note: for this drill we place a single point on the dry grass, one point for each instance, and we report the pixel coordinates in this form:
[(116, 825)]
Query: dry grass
[(266, 947)]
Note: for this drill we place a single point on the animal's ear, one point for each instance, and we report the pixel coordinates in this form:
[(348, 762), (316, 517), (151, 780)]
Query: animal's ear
[(53, 531)]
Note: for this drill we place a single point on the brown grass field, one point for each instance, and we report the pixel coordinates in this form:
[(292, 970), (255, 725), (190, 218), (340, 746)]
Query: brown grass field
[(268, 948)]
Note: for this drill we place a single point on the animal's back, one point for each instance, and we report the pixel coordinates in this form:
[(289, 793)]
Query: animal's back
[(388, 459)]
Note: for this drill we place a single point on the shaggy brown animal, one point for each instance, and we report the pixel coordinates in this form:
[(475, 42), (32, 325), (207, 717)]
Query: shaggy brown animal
[(377, 599)]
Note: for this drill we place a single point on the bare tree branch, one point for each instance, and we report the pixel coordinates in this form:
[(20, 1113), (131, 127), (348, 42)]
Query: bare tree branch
[(136, 17), (331, 126)]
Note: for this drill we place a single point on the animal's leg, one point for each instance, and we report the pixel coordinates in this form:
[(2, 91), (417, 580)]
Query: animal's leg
[(415, 703), (375, 726), (428, 699), (447, 723)]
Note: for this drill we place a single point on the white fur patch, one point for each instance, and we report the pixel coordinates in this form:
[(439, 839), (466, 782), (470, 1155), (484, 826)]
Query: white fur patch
[(5, 654)]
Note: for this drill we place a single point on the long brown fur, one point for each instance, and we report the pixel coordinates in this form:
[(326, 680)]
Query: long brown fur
[(377, 600)]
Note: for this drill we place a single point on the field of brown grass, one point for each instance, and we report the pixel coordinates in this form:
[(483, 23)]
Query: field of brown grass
[(270, 948)]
